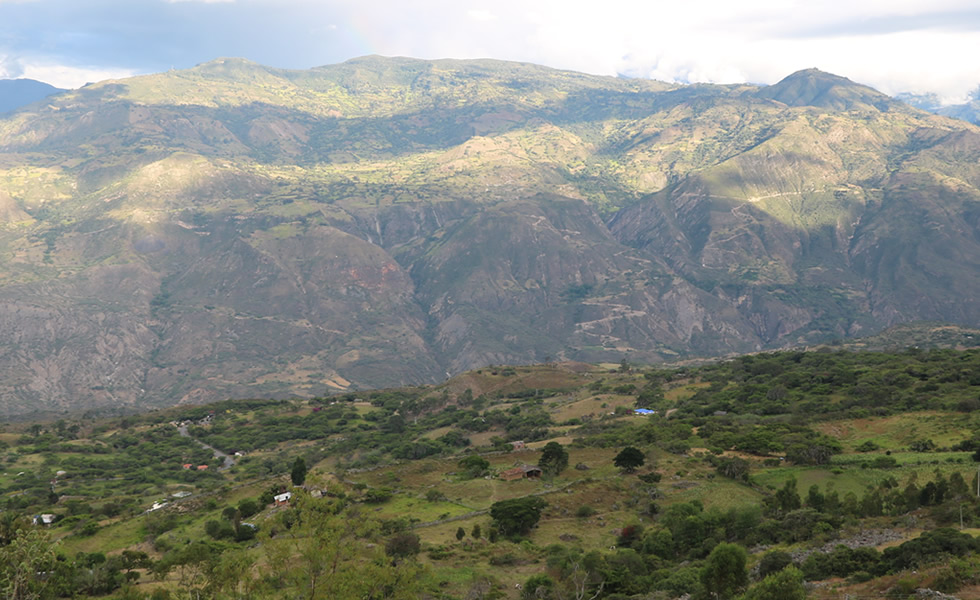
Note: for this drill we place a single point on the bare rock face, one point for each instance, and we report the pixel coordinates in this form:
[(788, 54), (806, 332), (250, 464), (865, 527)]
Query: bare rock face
[(234, 230)]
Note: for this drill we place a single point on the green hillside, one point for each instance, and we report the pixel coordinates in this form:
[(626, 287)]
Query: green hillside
[(234, 230), (856, 470)]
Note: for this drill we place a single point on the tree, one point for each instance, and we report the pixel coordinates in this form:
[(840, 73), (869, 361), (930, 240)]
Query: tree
[(809, 454), (629, 459), (27, 555), (474, 466), (554, 458), (538, 587), (460, 534), (518, 515), (402, 545), (724, 575), (782, 585), (774, 562), (734, 468), (650, 396), (298, 473)]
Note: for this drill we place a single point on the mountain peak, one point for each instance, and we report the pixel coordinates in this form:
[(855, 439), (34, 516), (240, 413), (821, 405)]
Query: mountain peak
[(231, 68), (813, 87)]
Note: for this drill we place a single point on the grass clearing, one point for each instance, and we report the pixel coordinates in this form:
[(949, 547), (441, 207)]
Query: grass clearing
[(896, 432)]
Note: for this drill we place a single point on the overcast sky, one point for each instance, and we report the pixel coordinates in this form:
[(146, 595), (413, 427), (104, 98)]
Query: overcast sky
[(893, 45)]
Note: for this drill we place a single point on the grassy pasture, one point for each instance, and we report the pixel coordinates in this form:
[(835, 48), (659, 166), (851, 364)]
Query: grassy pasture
[(596, 406), (895, 432)]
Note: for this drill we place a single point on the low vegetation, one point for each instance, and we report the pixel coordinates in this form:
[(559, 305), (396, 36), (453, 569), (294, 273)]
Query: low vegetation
[(753, 478)]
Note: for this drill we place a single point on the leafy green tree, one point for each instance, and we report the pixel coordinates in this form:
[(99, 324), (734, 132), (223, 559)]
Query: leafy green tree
[(402, 544), (782, 585), (651, 395), (460, 534), (298, 472), (554, 458), (538, 587), (773, 562), (724, 575), (395, 424), (474, 466), (734, 468), (248, 507), (517, 516), (21, 560), (629, 459)]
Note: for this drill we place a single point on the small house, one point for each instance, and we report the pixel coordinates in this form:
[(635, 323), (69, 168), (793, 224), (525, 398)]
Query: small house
[(518, 446), (644, 411), (521, 472), (45, 519), (202, 467), (187, 465), (282, 499)]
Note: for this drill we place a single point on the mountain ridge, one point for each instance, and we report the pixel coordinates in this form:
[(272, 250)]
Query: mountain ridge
[(234, 230), (15, 93)]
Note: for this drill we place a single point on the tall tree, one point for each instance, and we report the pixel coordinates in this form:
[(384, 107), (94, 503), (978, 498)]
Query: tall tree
[(298, 473), (724, 575), (554, 458)]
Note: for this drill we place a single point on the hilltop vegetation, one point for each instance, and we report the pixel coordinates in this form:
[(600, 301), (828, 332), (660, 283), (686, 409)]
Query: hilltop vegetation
[(234, 230), (852, 470)]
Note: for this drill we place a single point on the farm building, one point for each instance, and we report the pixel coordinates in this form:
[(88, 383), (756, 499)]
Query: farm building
[(521, 472)]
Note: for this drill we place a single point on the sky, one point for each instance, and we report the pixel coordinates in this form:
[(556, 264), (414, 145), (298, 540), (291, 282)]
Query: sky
[(895, 45)]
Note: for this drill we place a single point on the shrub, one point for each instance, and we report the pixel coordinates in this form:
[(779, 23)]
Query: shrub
[(402, 545)]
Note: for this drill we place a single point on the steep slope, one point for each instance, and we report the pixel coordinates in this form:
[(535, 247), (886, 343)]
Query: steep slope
[(813, 87), (234, 230)]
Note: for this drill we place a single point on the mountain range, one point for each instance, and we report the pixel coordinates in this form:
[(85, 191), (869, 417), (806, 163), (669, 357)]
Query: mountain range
[(968, 111), (15, 93), (235, 230)]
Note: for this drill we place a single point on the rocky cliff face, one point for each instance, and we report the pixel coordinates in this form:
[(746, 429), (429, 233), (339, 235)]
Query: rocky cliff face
[(234, 230)]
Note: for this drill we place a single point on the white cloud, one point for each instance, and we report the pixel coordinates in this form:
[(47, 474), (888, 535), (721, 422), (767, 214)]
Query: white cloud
[(481, 14), (894, 45), (67, 77)]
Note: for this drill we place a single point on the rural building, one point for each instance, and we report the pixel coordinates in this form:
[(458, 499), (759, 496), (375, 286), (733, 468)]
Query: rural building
[(518, 445), (202, 467), (45, 519), (521, 472), (282, 499)]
